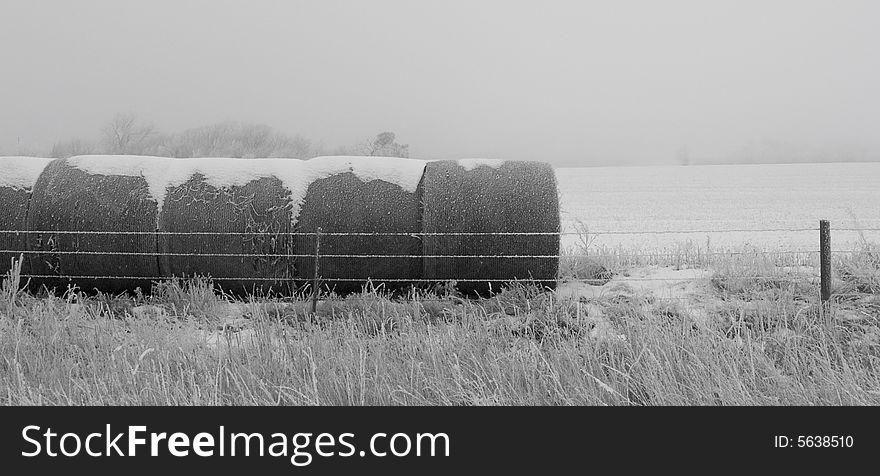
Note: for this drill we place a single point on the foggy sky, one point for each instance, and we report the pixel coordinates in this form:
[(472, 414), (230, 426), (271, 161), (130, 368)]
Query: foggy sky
[(572, 83)]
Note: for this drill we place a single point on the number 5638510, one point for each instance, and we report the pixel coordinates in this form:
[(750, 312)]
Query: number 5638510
[(813, 441)]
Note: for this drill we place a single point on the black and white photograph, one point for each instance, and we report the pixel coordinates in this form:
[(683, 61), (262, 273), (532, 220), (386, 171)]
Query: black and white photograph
[(216, 207)]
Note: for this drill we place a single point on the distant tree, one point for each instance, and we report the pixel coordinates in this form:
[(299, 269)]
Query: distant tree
[(343, 150), (232, 139), (684, 156), (124, 135), (317, 149), (296, 147), (73, 147), (383, 145), (214, 140), (253, 140)]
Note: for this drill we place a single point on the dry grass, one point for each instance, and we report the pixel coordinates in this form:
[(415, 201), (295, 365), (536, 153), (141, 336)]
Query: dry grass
[(742, 342)]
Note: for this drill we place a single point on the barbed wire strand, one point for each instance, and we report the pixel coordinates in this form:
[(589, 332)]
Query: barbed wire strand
[(407, 256), (568, 300), (418, 233), (413, 234), (279, 233), (282, 309), (434, 280), (459, 299)]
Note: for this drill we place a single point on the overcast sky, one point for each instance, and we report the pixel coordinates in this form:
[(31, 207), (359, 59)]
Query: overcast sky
[(573, 83)]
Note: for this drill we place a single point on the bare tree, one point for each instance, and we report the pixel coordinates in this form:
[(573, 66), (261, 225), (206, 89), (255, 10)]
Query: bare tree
[(73, 147), (383, 145), (124, 135), (296, 147), (232, 139)]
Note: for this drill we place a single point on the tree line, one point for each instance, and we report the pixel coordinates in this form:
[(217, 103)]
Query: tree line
[(125, 134)]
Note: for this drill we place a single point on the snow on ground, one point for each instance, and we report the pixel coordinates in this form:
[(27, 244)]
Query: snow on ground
[(687, 287), (717, 198), (21, 172), (662, 282)]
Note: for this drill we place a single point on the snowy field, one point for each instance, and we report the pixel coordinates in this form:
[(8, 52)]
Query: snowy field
[(722, 197)]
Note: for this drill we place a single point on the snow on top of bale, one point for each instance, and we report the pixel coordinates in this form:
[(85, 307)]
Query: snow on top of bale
[(471, 164), (405, 173), (153, 169), (161, 173), (295, 175), (21, 172)]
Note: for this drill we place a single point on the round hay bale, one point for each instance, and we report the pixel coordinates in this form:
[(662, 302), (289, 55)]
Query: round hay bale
[(362, 195), (490, 196), (17, 178), (95, 194), (254, 211)]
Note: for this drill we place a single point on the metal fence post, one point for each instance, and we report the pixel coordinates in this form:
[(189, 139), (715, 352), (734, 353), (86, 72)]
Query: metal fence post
[(315, 278), (825, 260)]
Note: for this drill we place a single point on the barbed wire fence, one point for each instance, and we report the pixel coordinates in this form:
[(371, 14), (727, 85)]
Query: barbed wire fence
[(821, 277)]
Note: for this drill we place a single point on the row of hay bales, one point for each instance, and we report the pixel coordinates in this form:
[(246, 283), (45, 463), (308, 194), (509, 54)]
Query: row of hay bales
[(136, 212)]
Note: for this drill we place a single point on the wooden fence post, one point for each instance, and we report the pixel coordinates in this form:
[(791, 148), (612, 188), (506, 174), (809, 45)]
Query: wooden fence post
[(315, 279), (825, 260)]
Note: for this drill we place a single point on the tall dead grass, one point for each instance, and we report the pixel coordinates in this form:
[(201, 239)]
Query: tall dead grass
[(741, 343)]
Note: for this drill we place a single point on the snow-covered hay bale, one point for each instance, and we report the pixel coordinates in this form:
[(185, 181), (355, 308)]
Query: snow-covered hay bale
[(362, 195), (111, 201), (490, 196), (247, 206), (17, 178)]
